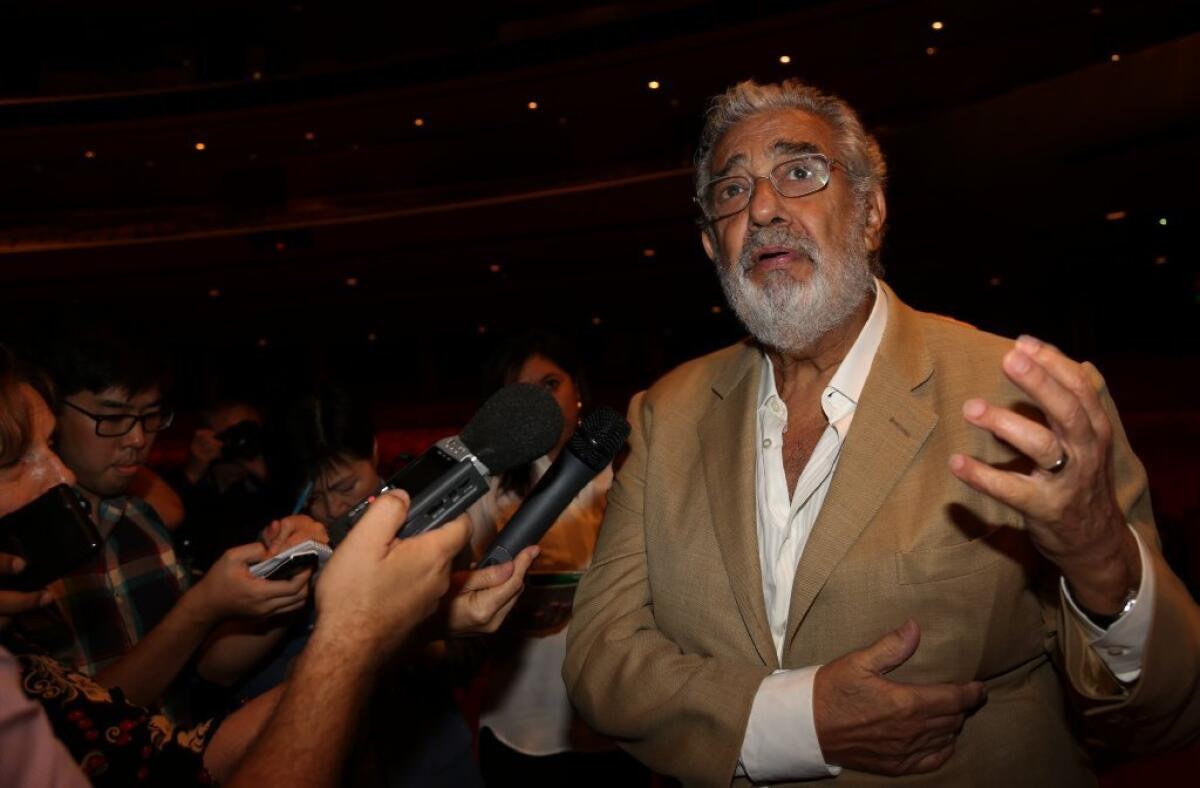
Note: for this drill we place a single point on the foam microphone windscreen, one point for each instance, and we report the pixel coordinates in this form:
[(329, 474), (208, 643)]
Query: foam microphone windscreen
[(517, 424)]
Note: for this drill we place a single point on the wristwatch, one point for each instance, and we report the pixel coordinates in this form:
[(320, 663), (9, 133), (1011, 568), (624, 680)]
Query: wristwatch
[(1106, 621)]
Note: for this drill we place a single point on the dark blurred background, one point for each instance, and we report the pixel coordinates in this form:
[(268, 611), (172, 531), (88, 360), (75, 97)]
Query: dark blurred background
[(290, 191), (362, 188)]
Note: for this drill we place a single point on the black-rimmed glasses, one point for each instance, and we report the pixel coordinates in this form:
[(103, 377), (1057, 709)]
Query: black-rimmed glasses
[(114, 425), (796, 177)]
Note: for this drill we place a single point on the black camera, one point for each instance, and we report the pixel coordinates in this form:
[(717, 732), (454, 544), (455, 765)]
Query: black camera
[(242, 441)]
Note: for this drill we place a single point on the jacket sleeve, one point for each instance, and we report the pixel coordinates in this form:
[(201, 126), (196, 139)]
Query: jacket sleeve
[(682, 714), (1162, 708)]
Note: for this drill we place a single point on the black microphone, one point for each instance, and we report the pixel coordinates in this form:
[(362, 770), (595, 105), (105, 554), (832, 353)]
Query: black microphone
[(517, 424), (592, 447)]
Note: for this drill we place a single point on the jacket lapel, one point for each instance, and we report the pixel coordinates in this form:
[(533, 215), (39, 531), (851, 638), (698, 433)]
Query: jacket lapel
[(727, 433), (890, 425)]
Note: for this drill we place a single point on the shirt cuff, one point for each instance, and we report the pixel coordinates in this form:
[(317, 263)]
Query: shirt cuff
[(781, 736), (1121, 646)]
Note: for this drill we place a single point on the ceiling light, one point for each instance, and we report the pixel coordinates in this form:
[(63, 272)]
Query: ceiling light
[(1115, 216), (419, 122), (785, 59), (494, 268), (310, 135), (200, 146), (596, 320), (937, 25), (1114, 57), (214, 293), (653, 84), (1163, 221), (715, 309), (351, 281), (89, 154), (931, 50), (532, 105), (647, 252)]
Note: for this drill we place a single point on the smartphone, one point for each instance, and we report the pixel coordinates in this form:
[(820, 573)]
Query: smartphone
[(293, 566), (53, 533), (292, 561)]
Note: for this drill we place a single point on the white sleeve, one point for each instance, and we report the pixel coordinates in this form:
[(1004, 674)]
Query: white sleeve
[(1122, 644), (781, 736)]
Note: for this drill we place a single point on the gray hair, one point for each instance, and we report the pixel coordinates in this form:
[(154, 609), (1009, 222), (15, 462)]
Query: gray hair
[(856, 149)]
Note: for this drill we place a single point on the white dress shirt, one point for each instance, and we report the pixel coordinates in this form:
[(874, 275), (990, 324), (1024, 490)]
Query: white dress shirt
[(781, 739)]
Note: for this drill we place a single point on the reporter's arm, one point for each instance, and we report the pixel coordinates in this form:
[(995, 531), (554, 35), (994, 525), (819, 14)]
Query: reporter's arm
[(238, 732), (227, 591), (370, 596), (235, 647), (145, 672), (312, 728)]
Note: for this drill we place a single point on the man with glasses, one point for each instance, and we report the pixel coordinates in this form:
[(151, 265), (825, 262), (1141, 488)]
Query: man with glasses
[(129, 616), (857, 544)]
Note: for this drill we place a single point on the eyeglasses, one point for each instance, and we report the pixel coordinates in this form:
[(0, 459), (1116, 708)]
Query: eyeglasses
[(796, 177), (113, 425)]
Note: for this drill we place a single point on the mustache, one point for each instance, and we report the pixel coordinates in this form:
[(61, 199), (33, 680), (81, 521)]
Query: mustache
[(777, 235)]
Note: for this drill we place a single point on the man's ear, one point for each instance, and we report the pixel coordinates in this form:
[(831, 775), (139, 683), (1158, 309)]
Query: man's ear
[(875, 220), (707, 241)]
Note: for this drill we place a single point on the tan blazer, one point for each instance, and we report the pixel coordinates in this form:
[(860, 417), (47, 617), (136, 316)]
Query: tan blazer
[(669, 640)]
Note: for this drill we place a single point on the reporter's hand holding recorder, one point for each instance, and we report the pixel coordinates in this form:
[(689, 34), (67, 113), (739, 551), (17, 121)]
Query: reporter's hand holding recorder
[(370, 597)]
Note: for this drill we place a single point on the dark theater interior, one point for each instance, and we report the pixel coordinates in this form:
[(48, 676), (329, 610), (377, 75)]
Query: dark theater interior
[(293, 192)]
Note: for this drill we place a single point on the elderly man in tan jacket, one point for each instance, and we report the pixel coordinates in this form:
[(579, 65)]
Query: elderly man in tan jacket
[(870, 541)]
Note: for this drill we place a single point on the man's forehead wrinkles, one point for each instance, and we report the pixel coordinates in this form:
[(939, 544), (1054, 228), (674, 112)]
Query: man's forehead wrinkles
[(779, 146)]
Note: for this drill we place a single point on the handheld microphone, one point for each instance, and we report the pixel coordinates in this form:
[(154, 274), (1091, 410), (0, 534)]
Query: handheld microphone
[(592, 447), (517, 424)]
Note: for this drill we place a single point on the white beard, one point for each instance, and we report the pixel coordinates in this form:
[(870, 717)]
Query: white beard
[(789, 316)]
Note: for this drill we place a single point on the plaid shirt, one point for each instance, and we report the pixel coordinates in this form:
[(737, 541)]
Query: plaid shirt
[(104, 606)]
